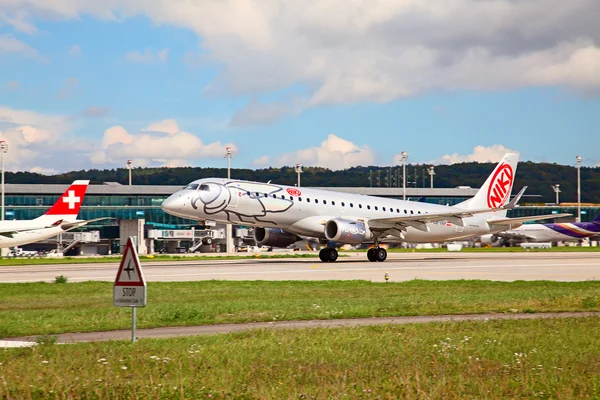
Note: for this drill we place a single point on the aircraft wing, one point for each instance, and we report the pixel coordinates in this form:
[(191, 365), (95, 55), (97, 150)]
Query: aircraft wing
[(67, 226), (9, 231), (419, 221), (520, 220), (511, 235)]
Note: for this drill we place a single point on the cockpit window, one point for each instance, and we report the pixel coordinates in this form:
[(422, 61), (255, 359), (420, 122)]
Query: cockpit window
[(204, 188), (193, 186)]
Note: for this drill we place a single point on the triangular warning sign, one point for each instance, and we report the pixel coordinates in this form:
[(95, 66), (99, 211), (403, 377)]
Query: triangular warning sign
[(130, 273)]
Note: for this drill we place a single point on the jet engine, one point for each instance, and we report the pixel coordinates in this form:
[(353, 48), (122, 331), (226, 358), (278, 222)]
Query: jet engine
[(488, 239), (347, 231), (274, 237)]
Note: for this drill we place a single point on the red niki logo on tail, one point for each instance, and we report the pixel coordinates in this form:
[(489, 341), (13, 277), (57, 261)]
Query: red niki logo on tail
[(70, 202), (500, 186)]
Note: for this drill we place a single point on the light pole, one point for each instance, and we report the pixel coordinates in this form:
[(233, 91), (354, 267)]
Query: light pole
[(298, 171), (579, 188), (404, 158), (431, 173), (3, 150), (556, 189), (129, 162), (228, 235)]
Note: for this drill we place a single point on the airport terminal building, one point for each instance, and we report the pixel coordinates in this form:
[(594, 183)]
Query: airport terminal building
[(142, 202)]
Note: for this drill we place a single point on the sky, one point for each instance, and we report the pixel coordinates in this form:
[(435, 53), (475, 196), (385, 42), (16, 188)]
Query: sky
[(337, 83)]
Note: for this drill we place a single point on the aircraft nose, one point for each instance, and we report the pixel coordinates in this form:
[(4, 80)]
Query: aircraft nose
[(173, 204)]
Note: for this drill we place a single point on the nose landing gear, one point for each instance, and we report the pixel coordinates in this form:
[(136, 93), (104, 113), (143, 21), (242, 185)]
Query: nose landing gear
[(328, 254)]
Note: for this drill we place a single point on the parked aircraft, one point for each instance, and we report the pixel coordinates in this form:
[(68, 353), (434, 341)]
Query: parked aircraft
[(61, 217), (557, 232), (282, 214)]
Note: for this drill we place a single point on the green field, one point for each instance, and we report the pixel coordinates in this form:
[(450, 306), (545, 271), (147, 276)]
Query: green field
[(161, 258), (547, 359), (48, 308)]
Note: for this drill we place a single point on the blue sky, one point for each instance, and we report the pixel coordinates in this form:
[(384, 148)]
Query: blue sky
[(86, 84)]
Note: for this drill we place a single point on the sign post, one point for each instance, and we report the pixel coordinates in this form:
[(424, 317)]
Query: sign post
[(129, 289)]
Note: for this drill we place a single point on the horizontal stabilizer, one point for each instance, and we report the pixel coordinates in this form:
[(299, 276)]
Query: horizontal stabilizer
[(67, 226), (521, 220)]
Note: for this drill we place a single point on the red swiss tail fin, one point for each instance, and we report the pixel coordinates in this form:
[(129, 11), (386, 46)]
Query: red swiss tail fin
[(71, 200)]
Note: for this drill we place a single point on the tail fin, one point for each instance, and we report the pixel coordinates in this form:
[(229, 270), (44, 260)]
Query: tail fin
[(67, 206), (495, 192)]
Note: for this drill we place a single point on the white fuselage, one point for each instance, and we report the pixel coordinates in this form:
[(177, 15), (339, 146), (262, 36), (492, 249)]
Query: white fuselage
[(28, 231), (304, 211)]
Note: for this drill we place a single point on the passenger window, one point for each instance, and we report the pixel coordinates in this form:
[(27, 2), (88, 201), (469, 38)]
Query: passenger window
[(333, 203), (391, 210), (282, 197), (398, 211), (383, 208), (266, 195), (248, 193), (376, 209), (324, 201), (316, 200), (411, 211), (343, 204), (257, 194), (292, 198), (274, 196), (351, 205), (299, 198), (360, 206), (405, 212), (419, 212), (308, 200), (368, 207)]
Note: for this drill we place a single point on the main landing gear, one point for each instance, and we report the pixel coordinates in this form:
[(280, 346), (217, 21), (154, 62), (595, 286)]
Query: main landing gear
[(328, 254), (377, 254)]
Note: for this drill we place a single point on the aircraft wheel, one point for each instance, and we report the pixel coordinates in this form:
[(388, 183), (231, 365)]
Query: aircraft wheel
[(331, 254), (371, 255), (322, 255), (381, 254)]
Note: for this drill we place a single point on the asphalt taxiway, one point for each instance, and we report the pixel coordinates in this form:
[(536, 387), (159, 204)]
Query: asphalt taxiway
[(557, 266)]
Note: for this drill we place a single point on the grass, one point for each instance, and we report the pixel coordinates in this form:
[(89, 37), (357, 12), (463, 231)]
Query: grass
[(46, 308), (547, 359), (157, 258)]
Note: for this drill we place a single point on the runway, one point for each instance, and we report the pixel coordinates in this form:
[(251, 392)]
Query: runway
[(568, 266)]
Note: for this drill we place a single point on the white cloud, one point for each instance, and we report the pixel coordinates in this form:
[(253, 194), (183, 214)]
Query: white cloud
[(8, 44), (158, 144), (148, 57), (480, 154), (68, 87), (12, 85), (29, 135), (334, 153), (19, 21), (346, 51), (169, 126), (257, 112), (75, 51)]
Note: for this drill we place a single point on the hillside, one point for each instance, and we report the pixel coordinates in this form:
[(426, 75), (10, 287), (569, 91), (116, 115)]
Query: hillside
[(538, 176)]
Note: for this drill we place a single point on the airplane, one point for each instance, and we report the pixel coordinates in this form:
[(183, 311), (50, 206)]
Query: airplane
[(557, 232), (283, 214), (61, 217)]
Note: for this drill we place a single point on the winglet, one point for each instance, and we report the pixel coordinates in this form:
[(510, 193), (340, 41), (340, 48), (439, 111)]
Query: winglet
[(515, 200)]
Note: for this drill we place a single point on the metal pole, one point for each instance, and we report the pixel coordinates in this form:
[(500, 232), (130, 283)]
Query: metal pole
[(228, 227), (579, 188), (404, 156), (129, 176), (2, 152), (133, 319)]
